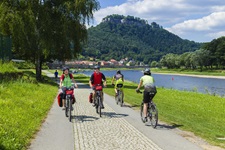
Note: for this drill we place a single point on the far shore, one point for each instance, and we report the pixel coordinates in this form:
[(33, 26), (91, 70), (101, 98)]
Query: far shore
[(170, 73), (192, 75)]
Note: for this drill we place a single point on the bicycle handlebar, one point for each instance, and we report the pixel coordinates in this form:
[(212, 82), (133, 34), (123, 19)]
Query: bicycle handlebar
[(138, 91)]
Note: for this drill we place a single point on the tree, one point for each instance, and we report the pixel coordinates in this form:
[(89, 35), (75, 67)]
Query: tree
[(46, 29), (217, 51), (201, 58), (154, 64), (170, 61)]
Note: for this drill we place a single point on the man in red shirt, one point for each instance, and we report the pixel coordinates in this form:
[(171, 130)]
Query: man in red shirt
[(97, 78)]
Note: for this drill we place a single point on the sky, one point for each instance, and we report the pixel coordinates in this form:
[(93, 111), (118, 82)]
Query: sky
[(195, 20)]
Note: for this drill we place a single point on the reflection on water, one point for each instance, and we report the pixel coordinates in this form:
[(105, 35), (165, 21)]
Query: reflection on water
[(196, 84)]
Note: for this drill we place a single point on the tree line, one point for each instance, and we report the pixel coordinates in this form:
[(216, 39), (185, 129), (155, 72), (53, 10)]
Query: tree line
[(210, 55)]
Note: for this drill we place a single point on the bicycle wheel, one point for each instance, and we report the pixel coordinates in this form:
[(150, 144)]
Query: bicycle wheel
[(70, 110), (99, 106), (96, 104), (120, 98), (142, 112), (153, 115)]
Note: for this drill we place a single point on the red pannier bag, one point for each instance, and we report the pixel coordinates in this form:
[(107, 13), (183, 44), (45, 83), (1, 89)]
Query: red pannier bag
[(69, 92), (59, 98)]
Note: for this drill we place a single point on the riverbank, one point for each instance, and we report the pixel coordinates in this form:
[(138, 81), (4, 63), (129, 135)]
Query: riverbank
[(217, 74), (192, 75)]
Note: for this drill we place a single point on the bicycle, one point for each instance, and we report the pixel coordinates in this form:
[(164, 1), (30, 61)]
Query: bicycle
[(152, 111), (119, 96), (98, 99), (68, 103)]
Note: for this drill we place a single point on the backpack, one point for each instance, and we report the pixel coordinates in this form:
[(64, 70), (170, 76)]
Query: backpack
[(63, 76)]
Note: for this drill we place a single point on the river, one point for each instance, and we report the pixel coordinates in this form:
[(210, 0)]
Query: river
[(212, 86)]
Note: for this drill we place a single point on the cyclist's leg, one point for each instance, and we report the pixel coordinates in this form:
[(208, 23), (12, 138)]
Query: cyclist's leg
[(121, 89), (146, 99), (145, 109), (64, 95), (93, 97), (115, 89)]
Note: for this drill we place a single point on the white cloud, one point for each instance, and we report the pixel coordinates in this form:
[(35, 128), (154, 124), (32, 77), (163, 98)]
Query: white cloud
[(178, 16), (210, 25), (216, 34)]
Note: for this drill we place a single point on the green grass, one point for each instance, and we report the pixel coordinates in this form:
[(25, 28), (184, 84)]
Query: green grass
[(202, 114), (7, 67), (24, 105)]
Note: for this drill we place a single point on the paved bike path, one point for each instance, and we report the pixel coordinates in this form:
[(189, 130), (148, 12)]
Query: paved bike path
[(118, 128)]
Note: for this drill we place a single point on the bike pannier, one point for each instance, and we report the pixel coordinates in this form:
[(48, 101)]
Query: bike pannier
[(59, 97)]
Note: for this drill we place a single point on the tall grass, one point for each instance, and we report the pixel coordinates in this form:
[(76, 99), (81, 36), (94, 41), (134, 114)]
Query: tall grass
[(7, 67), (24, 104), (201, 114)]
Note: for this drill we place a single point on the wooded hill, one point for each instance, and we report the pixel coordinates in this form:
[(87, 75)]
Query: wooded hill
[(119, 37)]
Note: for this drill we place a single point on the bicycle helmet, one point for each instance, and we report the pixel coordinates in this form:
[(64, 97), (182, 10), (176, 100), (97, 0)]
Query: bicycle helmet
[(118, 72), (97, 67), (147, 71), (65, 68)]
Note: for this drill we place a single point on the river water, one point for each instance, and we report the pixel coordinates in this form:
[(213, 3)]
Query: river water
[(212, 86)]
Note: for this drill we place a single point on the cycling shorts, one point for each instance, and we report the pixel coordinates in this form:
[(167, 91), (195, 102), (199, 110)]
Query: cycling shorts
[(119, 85), (148, 96)]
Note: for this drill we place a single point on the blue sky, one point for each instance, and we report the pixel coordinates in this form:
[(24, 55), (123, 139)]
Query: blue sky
[(197, 20)]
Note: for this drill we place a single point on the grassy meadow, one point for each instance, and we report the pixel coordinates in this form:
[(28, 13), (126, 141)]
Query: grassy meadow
[(202, 114), (24, 105)]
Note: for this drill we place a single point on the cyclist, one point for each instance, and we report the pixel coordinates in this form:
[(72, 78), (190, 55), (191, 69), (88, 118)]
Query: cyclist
[(149, 87), (97, 78), (65, 83), (119, 78), (56, 74)]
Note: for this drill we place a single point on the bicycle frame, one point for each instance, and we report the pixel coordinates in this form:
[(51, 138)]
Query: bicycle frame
[(152, 111), (68, 103), (98, 99)]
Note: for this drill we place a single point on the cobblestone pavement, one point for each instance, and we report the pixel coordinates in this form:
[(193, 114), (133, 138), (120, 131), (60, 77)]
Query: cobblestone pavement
[(110, 132)]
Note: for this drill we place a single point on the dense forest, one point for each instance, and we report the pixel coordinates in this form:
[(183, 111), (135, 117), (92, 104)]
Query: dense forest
[(129, 37)]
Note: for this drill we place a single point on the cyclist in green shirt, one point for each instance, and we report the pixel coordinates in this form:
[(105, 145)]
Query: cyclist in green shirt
[(65, 82), (149, 87)]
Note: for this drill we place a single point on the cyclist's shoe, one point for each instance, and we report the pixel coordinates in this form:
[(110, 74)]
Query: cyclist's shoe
[(63, 108), (102, 106), (145, 119), (93, 104)]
